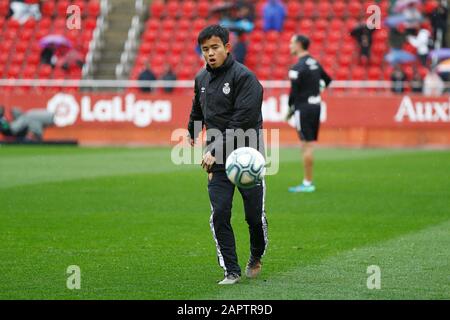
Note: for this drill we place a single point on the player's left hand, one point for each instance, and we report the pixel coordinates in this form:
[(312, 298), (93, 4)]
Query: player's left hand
[(208, 161)]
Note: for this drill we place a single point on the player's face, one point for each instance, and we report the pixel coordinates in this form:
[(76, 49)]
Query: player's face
[(294, 46), (215, 52)]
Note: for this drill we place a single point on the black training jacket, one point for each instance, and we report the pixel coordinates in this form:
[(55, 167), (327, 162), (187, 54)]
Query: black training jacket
[(229, 97)]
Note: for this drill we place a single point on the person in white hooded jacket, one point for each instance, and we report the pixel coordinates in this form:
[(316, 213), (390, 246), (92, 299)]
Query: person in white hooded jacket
[(421, 43)]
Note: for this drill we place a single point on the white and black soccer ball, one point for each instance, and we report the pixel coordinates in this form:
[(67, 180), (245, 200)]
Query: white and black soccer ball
[(245, 167)]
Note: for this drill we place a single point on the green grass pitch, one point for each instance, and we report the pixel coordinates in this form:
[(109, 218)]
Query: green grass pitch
[(138, 226)]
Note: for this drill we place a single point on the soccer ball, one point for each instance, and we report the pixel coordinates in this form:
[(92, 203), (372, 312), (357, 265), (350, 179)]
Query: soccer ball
[(245, 167)]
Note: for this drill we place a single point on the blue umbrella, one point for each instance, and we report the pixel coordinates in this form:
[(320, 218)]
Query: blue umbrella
[(395, 20), (397, 56), (440, 54)]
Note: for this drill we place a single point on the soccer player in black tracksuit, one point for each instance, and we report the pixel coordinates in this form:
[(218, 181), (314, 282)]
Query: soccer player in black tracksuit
[(228, 97), (305, 103)]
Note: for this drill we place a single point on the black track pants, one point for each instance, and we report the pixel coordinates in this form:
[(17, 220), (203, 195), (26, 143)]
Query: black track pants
[(221, 192)]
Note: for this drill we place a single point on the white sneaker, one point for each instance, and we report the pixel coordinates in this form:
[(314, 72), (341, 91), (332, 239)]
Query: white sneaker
[(230, 279)]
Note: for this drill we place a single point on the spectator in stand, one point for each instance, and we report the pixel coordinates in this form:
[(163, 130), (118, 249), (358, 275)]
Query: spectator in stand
[(412, 15), (398, 78), (70, 60), (240, 48), (146, 75), (416, 82), (245, 10), (25, 9), (433, 84), (439, 22), (237, 18), (48, 55), (421, 43), (168, 75), (363, 35), (26, 126), (274, 13)]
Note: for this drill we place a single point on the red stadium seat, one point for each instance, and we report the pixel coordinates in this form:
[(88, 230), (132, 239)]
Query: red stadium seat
[(331, 48), (168, 25), (290, 25), (348, 48), (60, 25), (145, 48), (293, 9), (323, 9), (61, 8), (152, 24), (270, 48), (306, 25), (263, 73), (4, 8), (345, 60), (150, 36), (334, 36), (256, 36), (342, 74), (337, 25), (22, 46), (30, 24), (48, 8), (90, 23), (4, 58), (358, 73), (318, 37), (259, 25), (29, 72), (13, 72), (45, 71), (45, 23), (355, 9), (80, 4), (93, 8), (283, 61), (279, 73), (13, 24), (157, 8), (309, 9), (198, 25), (184, 24), (321, 25), (177, 48), (203, 8), (374, 73), (188, 9), (272, 36), (266, 60), (339, 8), (33, 59), (173, 8)]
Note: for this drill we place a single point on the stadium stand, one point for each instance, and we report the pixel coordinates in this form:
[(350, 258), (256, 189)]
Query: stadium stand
[(20, 57), (327, 22)]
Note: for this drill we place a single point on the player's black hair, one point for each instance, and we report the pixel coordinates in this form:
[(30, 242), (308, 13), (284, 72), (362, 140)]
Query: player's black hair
[(214, 30), (303, 40)]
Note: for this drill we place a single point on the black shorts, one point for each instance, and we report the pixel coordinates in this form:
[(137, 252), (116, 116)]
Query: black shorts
[(307, 122)]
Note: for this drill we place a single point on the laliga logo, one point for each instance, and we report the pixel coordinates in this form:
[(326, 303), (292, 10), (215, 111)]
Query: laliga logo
[(65, 108), (140, 112)]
